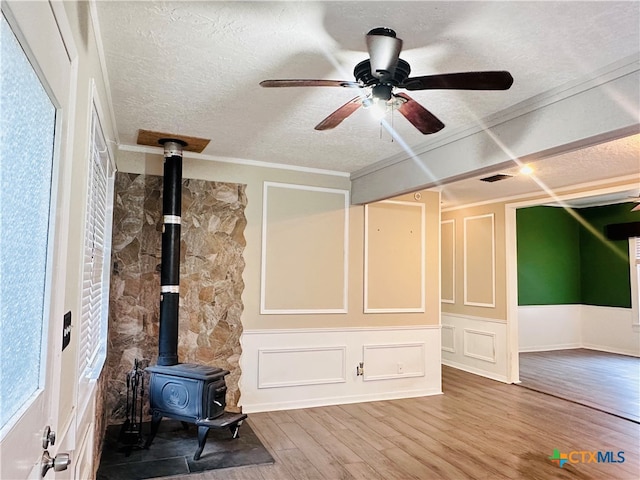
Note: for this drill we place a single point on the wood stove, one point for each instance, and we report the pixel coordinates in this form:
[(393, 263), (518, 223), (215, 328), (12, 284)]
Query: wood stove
[(191, 393), (188, 392)]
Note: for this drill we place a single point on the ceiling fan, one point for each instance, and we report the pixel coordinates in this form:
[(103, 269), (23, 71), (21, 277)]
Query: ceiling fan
[(384, 72)]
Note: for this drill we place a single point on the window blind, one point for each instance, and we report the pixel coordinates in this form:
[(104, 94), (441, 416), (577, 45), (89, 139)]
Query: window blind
[(94, 308)]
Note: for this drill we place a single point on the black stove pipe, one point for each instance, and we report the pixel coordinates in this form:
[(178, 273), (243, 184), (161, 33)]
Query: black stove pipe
[(170, 263)]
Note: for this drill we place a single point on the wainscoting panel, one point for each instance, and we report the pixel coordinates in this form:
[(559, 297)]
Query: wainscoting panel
[(475, 344), (287, 367), (409, 359), (296, 368), (85, 438), (610, 329), (448, 338), (549, 327), (479, 344), (83, 460), (559, 327)]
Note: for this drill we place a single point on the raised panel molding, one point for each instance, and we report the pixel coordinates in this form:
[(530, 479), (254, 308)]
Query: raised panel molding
[(448, 338), (417, 308), (479, 344), (450, 265), (393, 360), (489, 276), (292, 367), (338, 305)]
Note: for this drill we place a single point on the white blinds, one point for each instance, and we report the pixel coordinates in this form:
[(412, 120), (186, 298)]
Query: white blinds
[(637, 250), (93, 321)]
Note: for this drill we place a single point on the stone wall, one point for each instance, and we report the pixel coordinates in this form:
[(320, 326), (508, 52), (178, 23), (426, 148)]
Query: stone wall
[(211, 285)]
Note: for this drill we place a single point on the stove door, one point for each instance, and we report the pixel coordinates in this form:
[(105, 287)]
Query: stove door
[(216, 399)]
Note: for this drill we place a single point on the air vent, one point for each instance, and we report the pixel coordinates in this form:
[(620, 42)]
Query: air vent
[(496, 178)]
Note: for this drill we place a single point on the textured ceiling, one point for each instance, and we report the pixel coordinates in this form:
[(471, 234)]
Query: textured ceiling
[(193, 68), (611, 160)]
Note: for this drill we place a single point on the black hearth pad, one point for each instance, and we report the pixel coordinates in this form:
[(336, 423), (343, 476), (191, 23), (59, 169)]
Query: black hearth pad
[(172, 452)]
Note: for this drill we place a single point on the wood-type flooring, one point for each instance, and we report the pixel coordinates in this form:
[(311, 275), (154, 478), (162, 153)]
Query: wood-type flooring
[(601, 380), (479, 429)]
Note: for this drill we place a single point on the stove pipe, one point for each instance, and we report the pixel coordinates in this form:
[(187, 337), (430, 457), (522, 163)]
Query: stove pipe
[(170, 262)]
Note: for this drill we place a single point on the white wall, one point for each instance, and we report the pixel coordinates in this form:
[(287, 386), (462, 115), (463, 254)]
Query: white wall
[(549, 327), (556, 327), (297, 368)]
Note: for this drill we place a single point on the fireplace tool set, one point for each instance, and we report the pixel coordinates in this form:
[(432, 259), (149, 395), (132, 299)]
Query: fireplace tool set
[(131, 431)]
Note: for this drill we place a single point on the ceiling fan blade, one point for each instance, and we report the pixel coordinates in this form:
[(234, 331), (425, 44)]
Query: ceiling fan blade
[(384, 50), (493, 80), (340, 114), (420, 117), (309, 83)]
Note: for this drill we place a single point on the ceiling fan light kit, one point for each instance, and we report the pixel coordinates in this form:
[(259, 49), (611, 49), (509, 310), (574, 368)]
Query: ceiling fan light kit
[(384, 72)]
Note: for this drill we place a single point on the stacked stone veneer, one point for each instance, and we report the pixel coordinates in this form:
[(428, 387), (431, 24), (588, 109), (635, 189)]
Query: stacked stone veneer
[(211, 266)]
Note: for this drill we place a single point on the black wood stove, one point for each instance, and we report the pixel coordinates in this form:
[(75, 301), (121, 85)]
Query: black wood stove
[(188, 392)]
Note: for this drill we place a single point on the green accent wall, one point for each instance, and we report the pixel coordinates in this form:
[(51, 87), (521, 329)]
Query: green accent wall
[(605, 263), (548, 257), (567, 260)]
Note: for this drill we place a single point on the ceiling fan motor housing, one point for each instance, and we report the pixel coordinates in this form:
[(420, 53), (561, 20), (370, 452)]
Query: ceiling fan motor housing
[(384, 48), (362, 73)]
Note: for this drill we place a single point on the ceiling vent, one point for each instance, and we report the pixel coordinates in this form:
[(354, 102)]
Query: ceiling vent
[(496, 178)]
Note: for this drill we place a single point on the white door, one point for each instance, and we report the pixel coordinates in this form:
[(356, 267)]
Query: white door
[(35, 119)]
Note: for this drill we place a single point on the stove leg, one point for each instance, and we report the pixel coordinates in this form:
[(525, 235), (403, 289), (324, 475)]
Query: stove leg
[(155, 424), (202, 439), (235, 430)]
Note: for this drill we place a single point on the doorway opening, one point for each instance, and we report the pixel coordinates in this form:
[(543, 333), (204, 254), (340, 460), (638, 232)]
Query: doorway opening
[(573, 329)]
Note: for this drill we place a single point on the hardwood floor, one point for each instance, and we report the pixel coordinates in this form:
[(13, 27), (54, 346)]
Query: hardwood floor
[(601, 380), (479, 429)]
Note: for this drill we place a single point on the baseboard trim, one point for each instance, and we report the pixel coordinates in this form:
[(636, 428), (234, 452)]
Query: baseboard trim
[(550, 348), (610, 350), (320, 402), (476, 371)]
